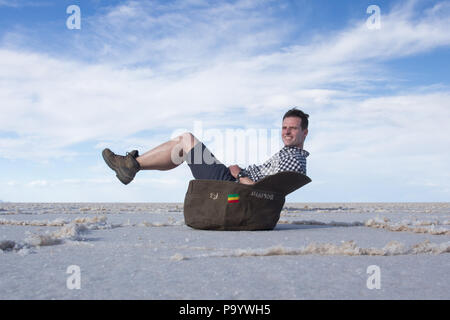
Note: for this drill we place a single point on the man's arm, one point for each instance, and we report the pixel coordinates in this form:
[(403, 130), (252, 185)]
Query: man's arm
[(235, 169)]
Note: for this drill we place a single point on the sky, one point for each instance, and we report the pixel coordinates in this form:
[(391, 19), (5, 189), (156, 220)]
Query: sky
[(376, 84)]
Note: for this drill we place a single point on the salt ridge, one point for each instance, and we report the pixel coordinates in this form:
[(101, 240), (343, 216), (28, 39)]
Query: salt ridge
[(347, 248), (72, 230), (417, 226)]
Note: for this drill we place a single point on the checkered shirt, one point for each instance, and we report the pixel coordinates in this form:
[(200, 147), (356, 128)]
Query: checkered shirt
[(289, 158)]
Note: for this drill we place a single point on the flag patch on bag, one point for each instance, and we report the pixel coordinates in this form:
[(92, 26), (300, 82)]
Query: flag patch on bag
[(233, 198)]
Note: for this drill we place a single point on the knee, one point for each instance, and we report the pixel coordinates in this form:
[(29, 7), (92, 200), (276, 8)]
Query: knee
[(188, 140), (187, 135)]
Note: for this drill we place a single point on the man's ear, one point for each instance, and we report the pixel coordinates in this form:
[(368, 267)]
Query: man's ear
[(306, 132)]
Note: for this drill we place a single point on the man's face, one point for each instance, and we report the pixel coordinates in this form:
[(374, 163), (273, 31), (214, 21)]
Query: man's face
[(292, 133)]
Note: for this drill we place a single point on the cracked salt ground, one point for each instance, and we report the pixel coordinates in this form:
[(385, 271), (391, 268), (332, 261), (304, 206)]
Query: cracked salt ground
[(146, 251)]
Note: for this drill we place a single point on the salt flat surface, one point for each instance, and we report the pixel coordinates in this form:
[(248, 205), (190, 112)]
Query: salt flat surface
[(145, 251)]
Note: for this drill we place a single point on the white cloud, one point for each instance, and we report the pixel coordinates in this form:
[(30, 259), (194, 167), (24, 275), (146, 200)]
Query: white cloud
[(12, 183), (400, 35), (54, 103), (401, 124), (23, 3), (12, 3), (209, 62), (38, 183)]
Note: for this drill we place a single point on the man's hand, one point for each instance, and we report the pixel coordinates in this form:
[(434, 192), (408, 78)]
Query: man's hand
[(246, 180), (234, 170)]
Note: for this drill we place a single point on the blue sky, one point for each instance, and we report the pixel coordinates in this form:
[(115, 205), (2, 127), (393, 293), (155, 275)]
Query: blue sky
[(139, 71)]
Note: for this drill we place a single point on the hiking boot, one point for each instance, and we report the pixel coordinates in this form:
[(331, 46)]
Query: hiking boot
[(125, 167)]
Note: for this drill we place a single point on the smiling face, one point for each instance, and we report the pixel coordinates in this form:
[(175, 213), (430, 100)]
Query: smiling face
[(292, 133)]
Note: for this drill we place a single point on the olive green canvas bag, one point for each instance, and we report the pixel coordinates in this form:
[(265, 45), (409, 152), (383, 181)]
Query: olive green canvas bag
[(227, 205)]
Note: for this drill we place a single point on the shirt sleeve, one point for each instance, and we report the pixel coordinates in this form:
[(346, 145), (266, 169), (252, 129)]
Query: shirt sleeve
[(295, 162), (281, 161)]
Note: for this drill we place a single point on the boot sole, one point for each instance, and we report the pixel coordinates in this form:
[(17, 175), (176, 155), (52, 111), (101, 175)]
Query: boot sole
[(124, 178)]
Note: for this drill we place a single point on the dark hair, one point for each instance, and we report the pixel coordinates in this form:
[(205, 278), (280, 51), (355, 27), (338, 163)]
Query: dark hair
[(294, 112)]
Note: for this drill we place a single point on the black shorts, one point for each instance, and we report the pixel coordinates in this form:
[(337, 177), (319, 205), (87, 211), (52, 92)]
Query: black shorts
[(204, 165)]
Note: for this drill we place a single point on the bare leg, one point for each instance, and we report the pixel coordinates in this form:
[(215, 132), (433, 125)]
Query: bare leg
[(168, 155)]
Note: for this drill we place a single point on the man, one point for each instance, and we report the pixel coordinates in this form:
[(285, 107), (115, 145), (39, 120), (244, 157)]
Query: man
[(204, 165)]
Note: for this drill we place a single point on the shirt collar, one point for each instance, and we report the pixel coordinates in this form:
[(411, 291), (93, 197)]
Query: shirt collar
[(296, 149)]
